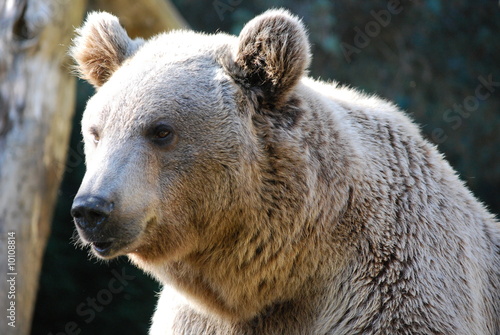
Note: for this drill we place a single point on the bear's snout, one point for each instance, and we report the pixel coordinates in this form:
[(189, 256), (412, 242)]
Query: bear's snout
[(91, 212), (99, 223)]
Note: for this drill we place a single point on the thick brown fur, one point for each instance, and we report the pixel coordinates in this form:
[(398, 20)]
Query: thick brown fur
[(280, 204)]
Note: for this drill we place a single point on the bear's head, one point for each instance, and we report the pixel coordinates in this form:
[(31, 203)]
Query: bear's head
[(175, 138)]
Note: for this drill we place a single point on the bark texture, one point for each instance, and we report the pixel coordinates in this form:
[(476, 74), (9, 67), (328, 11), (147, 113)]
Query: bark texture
[(37, 98), (37, 94)]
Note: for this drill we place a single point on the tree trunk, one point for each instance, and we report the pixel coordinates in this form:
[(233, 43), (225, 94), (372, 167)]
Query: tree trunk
[(37, 96), (143, 18)]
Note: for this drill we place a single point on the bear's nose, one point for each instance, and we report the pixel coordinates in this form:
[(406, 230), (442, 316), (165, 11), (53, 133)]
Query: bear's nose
[(90, 211)]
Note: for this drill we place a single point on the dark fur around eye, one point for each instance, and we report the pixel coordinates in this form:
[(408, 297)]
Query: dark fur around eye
[(162, 134), (95, 135)]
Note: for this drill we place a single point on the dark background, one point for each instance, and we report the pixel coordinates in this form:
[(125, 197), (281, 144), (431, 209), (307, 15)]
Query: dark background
[(429, 57)]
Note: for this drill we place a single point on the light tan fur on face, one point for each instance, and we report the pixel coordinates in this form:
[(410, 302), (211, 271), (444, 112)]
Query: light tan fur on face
[(286, 205)]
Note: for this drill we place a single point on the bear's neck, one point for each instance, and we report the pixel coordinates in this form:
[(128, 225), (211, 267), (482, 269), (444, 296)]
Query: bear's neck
[(254, 270)]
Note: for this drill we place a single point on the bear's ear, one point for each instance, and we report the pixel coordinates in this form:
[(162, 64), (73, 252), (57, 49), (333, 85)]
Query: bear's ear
[(100, 47), (273, 53)]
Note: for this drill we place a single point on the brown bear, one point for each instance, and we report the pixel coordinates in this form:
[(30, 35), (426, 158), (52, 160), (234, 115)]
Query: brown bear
[(270, 203)]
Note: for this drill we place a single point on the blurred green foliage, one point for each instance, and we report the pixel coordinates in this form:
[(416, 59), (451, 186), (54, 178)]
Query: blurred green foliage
[(429, 57)]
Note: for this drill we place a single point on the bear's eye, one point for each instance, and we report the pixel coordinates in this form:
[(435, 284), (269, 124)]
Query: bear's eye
[(95, 135), (161, 134)]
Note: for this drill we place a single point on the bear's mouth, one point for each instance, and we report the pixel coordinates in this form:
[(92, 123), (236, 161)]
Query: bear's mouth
[(110, 248), (102, 248), (107, 242)]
